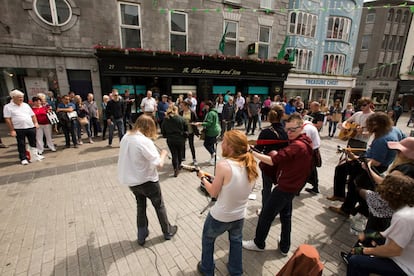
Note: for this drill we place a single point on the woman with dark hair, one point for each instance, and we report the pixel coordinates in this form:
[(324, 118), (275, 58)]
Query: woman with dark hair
[(212, 127), (174, 128), (395, 257), (271, 138)]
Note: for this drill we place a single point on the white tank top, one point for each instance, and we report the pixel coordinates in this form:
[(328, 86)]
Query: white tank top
[(232, 200)]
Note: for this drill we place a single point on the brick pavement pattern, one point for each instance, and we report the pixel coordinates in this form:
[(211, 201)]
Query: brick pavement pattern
[(68, 215)]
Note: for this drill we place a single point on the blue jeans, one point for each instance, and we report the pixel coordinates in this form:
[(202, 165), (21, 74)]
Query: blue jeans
[(278, 203), (120, 126), (364, 265), (214, 228)]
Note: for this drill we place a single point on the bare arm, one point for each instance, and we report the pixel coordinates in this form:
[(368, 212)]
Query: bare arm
[(390, 249), (222, 177), (163, 154), (263, 157), (10, 126)]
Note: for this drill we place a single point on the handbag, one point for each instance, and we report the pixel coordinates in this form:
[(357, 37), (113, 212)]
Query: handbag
[(83, 120), (52, 117), (203, 134), (72, 115)]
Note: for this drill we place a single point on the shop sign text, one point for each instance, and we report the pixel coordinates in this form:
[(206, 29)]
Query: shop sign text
[(321, 82), (199, 70)]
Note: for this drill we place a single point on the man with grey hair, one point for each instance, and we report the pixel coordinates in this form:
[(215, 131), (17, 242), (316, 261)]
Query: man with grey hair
[(22, 123), (193, 100), (92, 107)]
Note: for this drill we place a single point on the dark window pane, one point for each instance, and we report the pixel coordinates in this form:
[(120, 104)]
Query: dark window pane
[(131, 38), (63, 11), (178, 43), (231, 30), (230, 48), (263, 51), (264, 34), (43, 9), (129, 15), (178, 22)]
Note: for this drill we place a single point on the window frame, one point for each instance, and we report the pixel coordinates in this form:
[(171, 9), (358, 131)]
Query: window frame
[(132, 27), (53, 12), (344, 28), (264, 2), (364, 37), (328, 66), (303, 59), (302, 23), (227, 39), (371, 16), (264, 43), (171, 32)]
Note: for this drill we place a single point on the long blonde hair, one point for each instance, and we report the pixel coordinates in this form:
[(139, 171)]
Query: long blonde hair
[(238, 142)]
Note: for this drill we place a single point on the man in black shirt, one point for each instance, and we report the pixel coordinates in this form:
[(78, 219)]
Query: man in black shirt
[(115, 115)]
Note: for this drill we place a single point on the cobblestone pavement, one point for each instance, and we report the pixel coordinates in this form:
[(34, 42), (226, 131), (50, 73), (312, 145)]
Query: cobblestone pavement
[(68, 215)]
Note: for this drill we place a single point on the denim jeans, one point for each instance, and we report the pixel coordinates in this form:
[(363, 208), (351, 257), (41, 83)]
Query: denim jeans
[(209, 144), (120, 126), (21, 135), (278, 203), (364, 265), (152, 191), (214, 228)]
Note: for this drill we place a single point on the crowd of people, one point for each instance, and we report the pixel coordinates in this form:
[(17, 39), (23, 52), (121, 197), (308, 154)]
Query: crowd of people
[(287, 153)]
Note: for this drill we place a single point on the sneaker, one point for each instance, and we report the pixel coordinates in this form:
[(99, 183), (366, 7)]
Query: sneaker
[(168, 236), (53, 150), (283, 253), (39, 157), (345, 257), (25, 162), (250, 245), (90, 141), (313, 191), (80, 143), (142, 241), (212, 162), (195, 163)]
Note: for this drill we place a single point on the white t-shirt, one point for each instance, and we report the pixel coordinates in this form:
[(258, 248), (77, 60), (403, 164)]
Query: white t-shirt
[(232, 200), (20, 115), (401, 231), (312, 132), (138, 160), (360, 119), (148, 105)]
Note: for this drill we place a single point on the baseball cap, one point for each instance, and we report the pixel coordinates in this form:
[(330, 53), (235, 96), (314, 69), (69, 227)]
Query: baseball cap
[(406, 146)]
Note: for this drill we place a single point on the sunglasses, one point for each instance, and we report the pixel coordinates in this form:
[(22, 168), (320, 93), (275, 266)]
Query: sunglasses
[(292, 129)]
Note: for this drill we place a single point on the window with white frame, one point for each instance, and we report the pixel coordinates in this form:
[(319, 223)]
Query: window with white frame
[(302, 23), (264, 41), (338, 28), (53, 12), (366, 39), (178, 31), (130, 25), (231, 38), (302, 58), (370, 16), (266, 4), (333, 64)]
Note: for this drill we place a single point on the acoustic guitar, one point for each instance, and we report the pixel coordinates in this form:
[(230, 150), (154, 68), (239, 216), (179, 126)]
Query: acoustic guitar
[(348, 132)]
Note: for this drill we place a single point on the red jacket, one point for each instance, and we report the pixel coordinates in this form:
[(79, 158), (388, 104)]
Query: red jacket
[(293, 163)]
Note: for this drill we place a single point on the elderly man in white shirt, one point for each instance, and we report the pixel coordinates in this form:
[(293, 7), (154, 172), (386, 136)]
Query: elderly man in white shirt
[(149, 105), (22, 123), (193, 100)]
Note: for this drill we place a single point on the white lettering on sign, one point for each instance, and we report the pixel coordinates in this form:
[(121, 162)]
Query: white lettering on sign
[(199, 70), (321, 82)]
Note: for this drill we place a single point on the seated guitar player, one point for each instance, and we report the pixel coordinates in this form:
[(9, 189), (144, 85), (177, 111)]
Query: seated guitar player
[(381, 127), (345, 169)]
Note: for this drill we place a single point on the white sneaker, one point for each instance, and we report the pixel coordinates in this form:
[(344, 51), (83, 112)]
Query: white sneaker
[(25, 162), (212, 161), (250, 245), (39, 157)]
